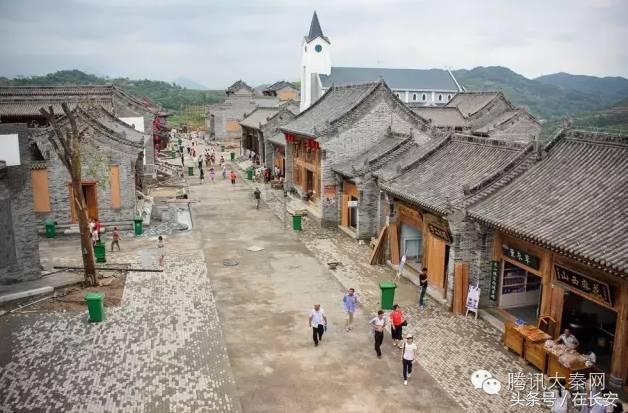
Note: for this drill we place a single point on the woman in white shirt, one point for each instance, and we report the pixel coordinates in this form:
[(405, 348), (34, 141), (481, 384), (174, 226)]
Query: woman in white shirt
[(407, 357), (562, 398)]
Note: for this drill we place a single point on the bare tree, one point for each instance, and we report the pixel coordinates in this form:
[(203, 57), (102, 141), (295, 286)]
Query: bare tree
[(66, 141)]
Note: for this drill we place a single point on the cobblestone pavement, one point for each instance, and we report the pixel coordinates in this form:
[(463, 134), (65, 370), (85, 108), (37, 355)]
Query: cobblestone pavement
[(451, 347), (162, 350)]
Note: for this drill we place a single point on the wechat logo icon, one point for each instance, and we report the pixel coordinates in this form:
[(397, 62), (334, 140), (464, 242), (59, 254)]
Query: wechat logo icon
[(483, 379)]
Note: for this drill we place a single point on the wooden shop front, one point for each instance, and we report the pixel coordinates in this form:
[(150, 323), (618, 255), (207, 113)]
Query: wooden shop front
[(425, 241), (553, 292)]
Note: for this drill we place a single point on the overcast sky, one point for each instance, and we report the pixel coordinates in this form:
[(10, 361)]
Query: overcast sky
[(218, 42)]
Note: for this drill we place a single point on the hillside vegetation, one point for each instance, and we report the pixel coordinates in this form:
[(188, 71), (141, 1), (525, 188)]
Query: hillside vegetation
[(169, 95)]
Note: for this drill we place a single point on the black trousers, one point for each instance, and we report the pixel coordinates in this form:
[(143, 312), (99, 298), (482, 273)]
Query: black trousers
[(407, 368), (379, 339), (317, 333)]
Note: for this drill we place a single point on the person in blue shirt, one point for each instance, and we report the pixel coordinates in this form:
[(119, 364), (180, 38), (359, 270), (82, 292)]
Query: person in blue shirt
[(350, 303)]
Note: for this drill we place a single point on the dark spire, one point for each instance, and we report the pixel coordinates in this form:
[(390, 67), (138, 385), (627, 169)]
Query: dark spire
[(315, 29)]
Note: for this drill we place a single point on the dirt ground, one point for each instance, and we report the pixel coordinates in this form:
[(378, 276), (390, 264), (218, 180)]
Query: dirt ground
[(73, 298)]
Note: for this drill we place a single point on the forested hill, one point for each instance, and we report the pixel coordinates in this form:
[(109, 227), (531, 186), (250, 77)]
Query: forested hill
[(548, 97), (169, 95)]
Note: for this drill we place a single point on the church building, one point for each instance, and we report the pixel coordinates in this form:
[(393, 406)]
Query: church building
[(431, 87)]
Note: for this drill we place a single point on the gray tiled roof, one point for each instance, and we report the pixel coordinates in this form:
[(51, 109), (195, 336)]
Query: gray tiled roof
[(239, 85), (258, 116), (573, 201), (440, 116), (402, 79), (116, 125), (389, 145), (437, 180), (470, 102), (27, 100), (332, 105), (279, 85), (278, 139)]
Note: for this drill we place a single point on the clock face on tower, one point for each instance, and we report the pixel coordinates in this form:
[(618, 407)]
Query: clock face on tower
[(318, 48)]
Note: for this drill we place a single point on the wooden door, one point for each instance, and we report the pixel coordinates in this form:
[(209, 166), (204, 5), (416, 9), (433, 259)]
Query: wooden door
[(345, 211), (89, 192), (435, 262)]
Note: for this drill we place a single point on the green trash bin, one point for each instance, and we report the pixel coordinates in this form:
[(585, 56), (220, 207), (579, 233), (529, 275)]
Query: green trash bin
[(388, 294), (180, 142), (296, 222), (222, 148), (51, 228), (95, 307), (173, 153), (190, 171), (232, 156), (249, 174), (99, 252), (138, 226)]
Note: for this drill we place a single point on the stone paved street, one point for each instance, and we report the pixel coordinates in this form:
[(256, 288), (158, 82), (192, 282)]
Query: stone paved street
[(451, 347), (160, 351), (264, 302)]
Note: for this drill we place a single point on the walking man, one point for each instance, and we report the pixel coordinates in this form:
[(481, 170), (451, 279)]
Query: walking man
[(202, 175), (232, 175), (257, 194), (349, 302), (115, 235), (318, 322), (161, 251), (378, 324), (407, 357), (423, 285)]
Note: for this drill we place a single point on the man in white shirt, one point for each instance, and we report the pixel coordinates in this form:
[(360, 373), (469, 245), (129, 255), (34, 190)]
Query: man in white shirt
[(407, 357), (568, 339), (318, 322), (378, 324)]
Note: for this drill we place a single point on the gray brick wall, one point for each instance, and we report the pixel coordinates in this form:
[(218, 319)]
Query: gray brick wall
[(16, 189), (357, 133)]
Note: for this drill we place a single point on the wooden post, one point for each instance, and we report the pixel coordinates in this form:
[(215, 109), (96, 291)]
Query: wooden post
[(393, 236), (619, 362)]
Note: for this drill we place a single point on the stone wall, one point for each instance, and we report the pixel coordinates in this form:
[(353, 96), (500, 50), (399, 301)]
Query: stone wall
[(367, 208), (16, 200), (98, 151)]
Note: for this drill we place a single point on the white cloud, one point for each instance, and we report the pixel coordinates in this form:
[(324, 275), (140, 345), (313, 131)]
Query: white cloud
[(217, 42)]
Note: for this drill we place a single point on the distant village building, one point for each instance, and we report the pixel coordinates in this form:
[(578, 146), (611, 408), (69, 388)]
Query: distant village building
[(260, 124), (19, 241), (240, 100), (345, 121), (487, 114), (425, 87), (283, 90)]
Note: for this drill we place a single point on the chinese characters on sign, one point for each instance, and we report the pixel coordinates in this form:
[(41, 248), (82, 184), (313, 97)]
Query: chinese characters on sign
[(494, 286), (521, 256), (533, 390), (440, 233), (598, 289)]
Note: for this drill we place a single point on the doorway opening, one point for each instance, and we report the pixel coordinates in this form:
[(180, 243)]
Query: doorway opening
[(91, 199), (309, 181), (520, 294), (593, 325), (353, 214)]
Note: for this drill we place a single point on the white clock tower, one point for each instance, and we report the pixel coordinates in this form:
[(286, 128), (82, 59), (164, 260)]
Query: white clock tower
[(315, 60)]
